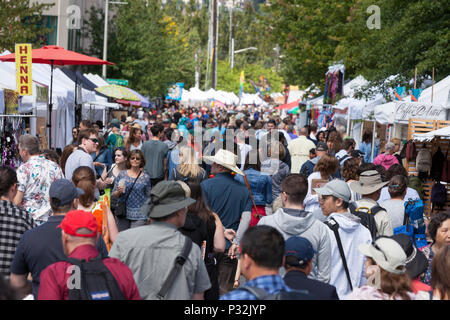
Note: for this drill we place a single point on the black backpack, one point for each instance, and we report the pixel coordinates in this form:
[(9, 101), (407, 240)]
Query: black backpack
[(97, 281), (367, 216), (261, 294), (437, 164), (438, 195)]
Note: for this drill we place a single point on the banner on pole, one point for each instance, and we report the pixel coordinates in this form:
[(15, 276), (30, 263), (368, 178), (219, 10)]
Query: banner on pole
[(23, 69)]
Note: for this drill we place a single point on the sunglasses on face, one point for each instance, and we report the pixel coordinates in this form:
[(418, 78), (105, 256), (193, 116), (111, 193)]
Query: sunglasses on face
[(93, 140), (135, 158)]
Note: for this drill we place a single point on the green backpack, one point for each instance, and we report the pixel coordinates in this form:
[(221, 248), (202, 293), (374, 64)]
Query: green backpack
[(416, 183)]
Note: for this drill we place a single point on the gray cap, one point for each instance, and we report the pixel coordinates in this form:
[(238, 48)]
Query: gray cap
[(63, 192), (336, 188)]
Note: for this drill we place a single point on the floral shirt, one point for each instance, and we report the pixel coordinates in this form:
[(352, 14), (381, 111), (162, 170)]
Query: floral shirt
[(34, 179), (428, 252)]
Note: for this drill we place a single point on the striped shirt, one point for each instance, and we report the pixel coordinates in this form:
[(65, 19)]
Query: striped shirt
[(14, 222)]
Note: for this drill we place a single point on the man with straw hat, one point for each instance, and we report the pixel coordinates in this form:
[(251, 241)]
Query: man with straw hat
[(231, 201), (369, 187), (150, 251)]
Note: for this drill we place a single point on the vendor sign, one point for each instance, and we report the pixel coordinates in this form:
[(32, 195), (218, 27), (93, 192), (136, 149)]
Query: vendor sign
[(175, 91), (406, 110), (23, 69)]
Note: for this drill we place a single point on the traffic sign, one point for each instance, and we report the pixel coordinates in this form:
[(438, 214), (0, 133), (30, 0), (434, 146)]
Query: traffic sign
[(120, 82)]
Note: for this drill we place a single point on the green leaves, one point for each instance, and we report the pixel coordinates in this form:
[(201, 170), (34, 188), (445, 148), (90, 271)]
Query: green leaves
[(20, 22)]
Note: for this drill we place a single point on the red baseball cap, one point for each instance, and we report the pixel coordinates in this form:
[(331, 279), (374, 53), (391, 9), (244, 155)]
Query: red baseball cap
[(77, 219)]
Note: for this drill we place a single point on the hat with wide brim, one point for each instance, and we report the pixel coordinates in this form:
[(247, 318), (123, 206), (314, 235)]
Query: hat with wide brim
[(226, 159), (369, 182), (166, 198), (416, 261), (386, 253)]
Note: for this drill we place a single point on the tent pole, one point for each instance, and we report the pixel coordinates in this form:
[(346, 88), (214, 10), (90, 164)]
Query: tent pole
[(50, 107), (373, 139)]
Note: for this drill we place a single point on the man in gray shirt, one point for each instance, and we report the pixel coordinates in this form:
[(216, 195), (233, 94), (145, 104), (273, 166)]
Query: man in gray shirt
[(155, 152), (150, 251), (87, 143)]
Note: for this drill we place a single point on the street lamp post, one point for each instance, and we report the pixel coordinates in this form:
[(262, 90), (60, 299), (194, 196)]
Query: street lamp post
[(238, 51), (105, 35)]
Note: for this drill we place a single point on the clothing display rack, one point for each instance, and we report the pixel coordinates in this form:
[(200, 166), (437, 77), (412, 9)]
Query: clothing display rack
[(422, 126), (11, 128)]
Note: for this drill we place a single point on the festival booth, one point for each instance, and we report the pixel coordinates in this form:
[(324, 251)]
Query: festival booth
[(433, 104), (429, 135)]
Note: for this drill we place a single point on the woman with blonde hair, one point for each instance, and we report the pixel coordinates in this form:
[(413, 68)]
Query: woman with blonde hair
[(84, 178), (188, 168), (324, 171)]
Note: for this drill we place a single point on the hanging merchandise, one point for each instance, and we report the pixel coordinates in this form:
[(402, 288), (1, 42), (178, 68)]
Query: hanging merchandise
[(334, 84), (11, 130), (415, 94), (398, 93)]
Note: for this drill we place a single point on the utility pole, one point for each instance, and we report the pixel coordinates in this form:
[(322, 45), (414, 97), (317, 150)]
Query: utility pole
[(105, 39), (105, 35), (277, 57), (214, 47), (231, 51)]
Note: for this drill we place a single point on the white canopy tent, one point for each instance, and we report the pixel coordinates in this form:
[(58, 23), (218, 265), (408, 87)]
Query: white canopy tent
[(428, 136), (385, 113)]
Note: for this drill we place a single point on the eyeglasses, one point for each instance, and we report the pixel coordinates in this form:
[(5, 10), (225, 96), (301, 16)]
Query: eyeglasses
[(93, 140), (135, 158)]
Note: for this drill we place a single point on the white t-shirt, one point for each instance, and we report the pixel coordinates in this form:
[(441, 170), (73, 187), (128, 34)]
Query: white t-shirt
[(396, 210)]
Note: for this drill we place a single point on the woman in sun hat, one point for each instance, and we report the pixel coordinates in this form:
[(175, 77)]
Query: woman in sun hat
[(385, 270), (416, 262)]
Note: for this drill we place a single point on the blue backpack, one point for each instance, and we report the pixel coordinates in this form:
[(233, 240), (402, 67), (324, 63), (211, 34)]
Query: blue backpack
[(413, 223)]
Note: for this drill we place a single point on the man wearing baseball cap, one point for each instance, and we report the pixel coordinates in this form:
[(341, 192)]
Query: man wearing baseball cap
[(42, 246), (79, 236), (334, 200), (308, 167), (299, 254), (150, 250)]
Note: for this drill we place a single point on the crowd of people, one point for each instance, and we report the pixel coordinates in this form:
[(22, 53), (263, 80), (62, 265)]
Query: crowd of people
[(216, 204)]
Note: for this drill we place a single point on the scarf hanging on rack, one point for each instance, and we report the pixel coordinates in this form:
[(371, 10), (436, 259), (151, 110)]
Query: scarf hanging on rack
[(11, 130)]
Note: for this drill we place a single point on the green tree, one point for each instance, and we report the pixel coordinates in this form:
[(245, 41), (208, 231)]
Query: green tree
[(20, 23)]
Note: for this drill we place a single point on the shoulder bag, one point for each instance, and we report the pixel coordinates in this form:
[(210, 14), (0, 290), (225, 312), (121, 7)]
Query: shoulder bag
[(121, 209)]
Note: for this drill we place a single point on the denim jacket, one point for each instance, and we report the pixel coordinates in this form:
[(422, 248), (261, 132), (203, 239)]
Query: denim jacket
[(105, 158), (260, 184)]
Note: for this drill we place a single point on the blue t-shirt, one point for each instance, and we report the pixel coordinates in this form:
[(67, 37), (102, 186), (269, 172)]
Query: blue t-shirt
[(41, 247), (228, 198)]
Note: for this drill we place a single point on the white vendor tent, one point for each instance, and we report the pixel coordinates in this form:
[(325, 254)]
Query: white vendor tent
[(428, 136)]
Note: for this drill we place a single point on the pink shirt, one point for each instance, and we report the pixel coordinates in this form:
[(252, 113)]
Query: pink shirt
[(386, 160)]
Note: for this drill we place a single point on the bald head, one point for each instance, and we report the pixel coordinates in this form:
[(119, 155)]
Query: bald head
[(303, 131)]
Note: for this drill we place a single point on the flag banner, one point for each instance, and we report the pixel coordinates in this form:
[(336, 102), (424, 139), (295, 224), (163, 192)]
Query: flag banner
[(23, 69), (175, 91), (415, 94), (399, 91), (241, 84)]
